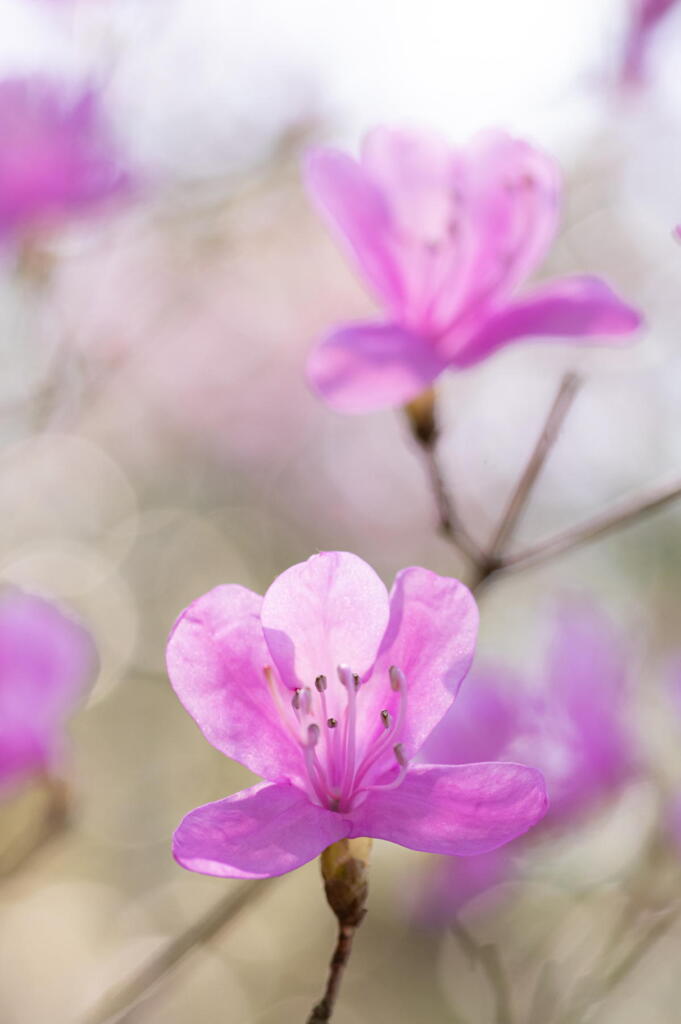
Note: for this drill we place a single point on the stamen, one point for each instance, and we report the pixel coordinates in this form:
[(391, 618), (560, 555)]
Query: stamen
[(397, 680), (307, 700), (312, 735), (320, 683), (386, 718), (295, 699), (332, 722), (282, 709), (349, 739), (399, 754)]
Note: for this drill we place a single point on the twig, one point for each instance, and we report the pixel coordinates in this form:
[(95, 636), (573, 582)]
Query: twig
[(118, 1005), (422, 417), (562, 403), (344, 869), (625, 513), (323, 1010)]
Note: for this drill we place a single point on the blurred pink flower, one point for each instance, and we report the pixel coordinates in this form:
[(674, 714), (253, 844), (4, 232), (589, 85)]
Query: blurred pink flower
[(56, 157), (444, 237), (47, 662), (328, 687), (572, 729), (644, 17)]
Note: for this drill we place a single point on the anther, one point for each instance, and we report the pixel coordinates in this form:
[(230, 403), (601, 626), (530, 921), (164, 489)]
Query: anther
[(332, 722), (307, 700), (386, 718), (397, 680), (313, 735), (356, 679), (398, 750), (320, 683), (295, 699)]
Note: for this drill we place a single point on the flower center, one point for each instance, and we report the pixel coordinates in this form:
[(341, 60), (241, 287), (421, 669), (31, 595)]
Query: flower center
[(344, 762)]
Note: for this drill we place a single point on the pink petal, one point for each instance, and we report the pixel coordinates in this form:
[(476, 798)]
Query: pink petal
[(356, 211), (415, 172), (369, 366), (331, 610), (215, 656), (454, 881), (260, 832), (47, 662), (431, 638), (460, 810), (482, 721), (576, 307)]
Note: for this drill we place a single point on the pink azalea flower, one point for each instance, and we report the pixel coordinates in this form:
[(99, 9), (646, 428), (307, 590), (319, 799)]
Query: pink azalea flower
[(444, 237), (645, 15), (56, 158), (572, 729), (327, 687), (47, 662)]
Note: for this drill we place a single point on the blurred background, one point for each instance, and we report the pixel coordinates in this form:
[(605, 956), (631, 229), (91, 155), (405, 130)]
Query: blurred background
[(158, 438)]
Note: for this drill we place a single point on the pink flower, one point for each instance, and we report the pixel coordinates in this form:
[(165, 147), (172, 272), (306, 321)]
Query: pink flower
[(645, 15), (444, 237), (572, 729), (327, 687), (56, 158), (47, 661)]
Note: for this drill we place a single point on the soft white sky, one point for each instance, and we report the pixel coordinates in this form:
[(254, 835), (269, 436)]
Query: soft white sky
[(198, 81)]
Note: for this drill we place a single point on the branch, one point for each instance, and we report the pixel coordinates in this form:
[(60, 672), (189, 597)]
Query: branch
[(422, 416), (562, 403), (344, 870), (625, 513), (119, 1003)]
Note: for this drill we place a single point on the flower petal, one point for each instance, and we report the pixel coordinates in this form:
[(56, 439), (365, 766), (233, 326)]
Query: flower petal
[(367, 366), (481, 722), (356, 210), (576, 307), (215, 656), (431, 638), (322, 613), (260, 832), (460, 809)]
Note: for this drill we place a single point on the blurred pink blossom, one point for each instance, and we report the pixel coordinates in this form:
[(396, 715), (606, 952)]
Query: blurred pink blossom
[(328, 687), (444, 237), (47, 662), (56, 158), (644, 17), (572, 729)]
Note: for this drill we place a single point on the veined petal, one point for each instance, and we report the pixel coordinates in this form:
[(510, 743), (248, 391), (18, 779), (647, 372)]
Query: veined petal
[(367, 366), (460, 809), (431, 638), (216, 655), (581, 307), (357, 211), (328, 611), (260, 832)]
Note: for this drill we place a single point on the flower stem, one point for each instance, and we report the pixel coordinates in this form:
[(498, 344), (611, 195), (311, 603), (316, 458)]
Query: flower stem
[(422, 417), (119, 1005), (625, 513), (344, 870), (562, 403)]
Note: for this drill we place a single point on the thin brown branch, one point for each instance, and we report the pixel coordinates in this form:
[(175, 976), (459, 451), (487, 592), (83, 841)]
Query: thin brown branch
[(324, 1009), (450, 522), (625, 513), (562, 403), (120, 1003)]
